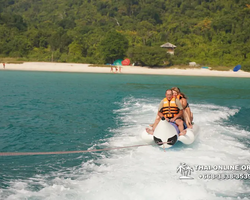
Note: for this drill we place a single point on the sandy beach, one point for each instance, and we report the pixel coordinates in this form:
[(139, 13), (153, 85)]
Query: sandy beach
[(73, 67)]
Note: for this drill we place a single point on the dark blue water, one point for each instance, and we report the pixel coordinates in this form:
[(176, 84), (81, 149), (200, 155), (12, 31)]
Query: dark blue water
[(44, 111)]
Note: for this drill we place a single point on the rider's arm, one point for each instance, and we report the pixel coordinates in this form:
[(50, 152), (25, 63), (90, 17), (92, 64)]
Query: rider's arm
[(179, 115), (184, 103), (159, 109), (160, 114)]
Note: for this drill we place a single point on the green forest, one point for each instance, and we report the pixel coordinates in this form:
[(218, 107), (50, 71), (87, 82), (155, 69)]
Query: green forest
[(208, 32)]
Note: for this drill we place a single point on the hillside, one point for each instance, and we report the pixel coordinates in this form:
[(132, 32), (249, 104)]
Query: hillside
[(209, 32)]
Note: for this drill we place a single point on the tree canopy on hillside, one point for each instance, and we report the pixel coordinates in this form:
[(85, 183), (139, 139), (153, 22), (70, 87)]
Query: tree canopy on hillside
[(208, 32)]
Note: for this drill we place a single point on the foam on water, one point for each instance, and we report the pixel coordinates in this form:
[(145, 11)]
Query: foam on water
[(147, 172)]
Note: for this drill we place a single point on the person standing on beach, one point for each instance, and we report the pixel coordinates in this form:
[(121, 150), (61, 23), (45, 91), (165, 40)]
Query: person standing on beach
[(4, 65)]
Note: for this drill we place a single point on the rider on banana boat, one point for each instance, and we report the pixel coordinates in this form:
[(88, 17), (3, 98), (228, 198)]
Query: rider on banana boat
[(187, 114), (170, 109)]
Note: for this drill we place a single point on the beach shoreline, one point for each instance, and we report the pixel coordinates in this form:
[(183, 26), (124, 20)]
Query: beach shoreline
[(87, 68)]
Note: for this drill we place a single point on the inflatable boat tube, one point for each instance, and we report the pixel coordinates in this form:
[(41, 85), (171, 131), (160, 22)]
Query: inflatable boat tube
[(167, 134)]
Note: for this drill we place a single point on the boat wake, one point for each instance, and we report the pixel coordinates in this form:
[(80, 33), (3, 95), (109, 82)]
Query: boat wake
[(148, 172)]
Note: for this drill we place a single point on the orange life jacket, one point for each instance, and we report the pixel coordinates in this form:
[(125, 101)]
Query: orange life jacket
[(179, 96), (170, 108)]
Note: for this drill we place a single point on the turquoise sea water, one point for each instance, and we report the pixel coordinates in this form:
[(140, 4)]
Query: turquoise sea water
[(44, 111)]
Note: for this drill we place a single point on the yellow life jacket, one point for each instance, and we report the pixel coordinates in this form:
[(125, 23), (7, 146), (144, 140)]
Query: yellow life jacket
[(170, 108)]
